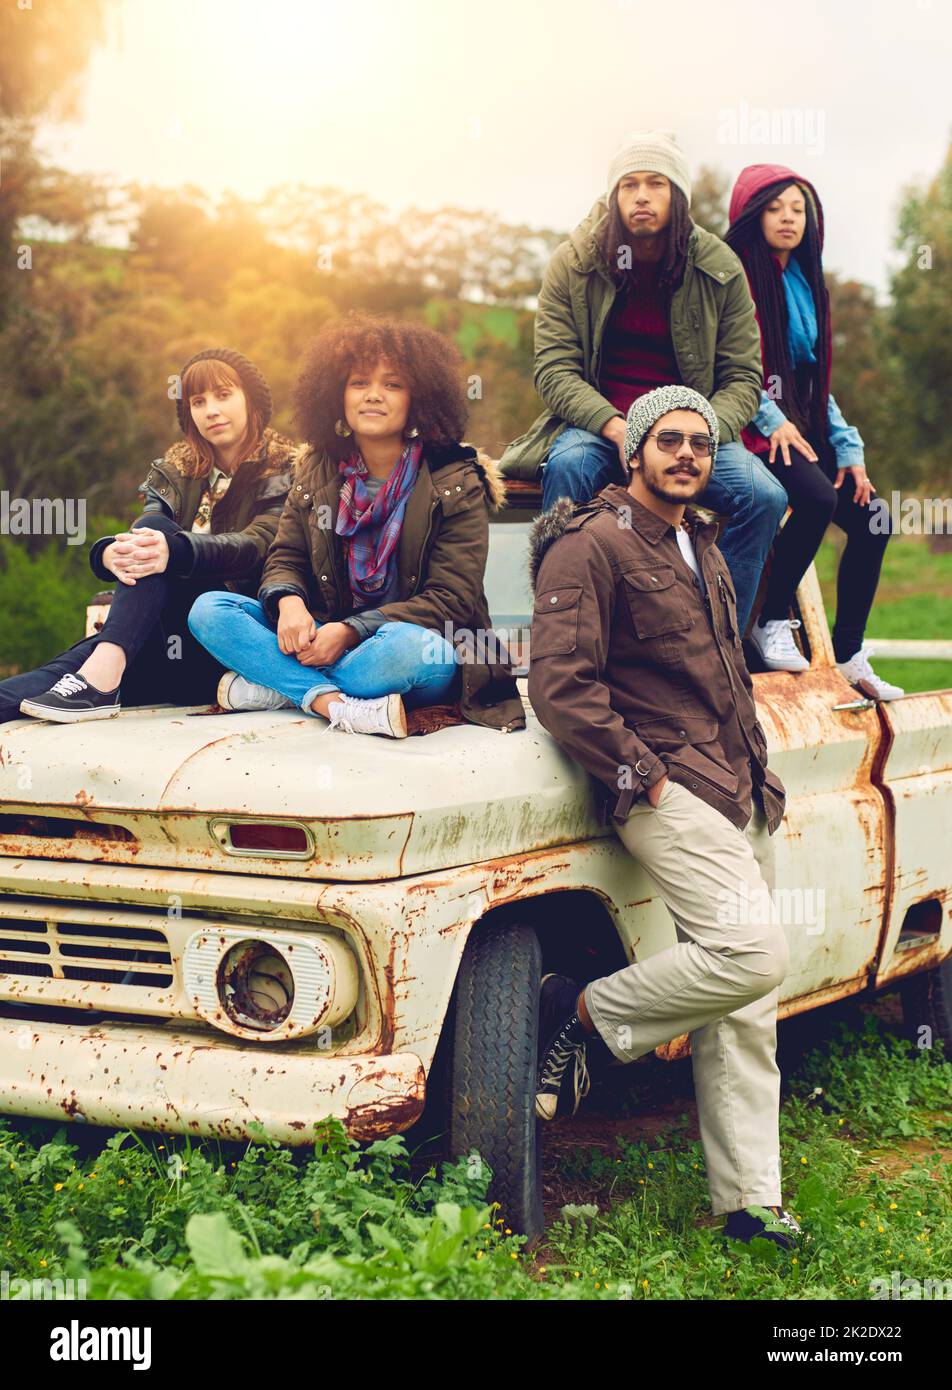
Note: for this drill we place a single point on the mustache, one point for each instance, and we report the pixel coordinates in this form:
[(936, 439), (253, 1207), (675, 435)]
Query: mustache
[(691, 468)]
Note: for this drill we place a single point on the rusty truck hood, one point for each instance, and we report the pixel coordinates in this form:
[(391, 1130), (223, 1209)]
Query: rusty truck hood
[(151, 787)]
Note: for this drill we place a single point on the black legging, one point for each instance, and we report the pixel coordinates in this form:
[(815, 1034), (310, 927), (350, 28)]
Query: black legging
[(165, 663), (815, 503)]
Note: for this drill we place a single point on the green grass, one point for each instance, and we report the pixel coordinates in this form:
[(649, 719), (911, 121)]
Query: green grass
[(865, 1133), (913, 602)]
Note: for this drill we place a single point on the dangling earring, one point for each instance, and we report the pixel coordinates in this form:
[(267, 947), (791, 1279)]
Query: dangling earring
[(343, 430), (411, 434)]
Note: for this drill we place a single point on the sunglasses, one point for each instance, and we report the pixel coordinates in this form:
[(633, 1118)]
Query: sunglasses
[(670, 441)]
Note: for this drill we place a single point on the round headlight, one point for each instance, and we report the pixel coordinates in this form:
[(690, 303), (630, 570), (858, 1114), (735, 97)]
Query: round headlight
[(274, 985), (255, 985)]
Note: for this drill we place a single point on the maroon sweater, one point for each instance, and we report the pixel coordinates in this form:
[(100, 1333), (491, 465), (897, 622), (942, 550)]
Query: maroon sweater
[(637, 353)]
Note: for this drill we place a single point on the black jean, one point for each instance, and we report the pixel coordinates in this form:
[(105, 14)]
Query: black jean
[(815, 502), (148, 620)]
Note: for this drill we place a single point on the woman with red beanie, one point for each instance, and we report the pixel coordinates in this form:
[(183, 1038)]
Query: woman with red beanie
[(211, 510), (776, 228)]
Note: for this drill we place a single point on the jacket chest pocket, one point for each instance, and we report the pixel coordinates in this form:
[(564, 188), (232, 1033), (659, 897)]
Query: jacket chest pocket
[(655, 601), (555, 621)]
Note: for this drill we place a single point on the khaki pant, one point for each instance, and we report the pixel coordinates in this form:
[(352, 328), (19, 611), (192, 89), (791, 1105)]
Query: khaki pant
[(719, 984)]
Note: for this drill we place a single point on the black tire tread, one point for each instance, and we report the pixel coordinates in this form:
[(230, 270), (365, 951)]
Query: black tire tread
[(495, 1065)]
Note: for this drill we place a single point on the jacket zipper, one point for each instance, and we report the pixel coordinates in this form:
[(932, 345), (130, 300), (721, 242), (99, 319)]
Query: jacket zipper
[(727, 607)]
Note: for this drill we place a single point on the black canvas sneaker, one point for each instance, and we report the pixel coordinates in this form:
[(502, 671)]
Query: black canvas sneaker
[(769, 1223), (72, 699), (563, 1075)]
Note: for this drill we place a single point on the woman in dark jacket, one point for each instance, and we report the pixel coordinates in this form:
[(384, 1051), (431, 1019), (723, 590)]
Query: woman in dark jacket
[(211, 511), (776, 227), (372, 597)]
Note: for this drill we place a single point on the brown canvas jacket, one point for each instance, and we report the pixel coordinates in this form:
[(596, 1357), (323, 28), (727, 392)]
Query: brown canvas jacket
[(636, 673)]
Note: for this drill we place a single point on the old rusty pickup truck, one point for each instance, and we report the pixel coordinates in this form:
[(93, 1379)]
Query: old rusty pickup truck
[(229, 924)]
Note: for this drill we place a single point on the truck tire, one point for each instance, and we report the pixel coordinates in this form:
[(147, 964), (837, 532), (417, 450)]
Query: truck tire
[(927, 1000), (493, 1067)]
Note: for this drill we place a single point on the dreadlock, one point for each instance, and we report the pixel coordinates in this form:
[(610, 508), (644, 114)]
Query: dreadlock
[(804, 400), (616, 237)]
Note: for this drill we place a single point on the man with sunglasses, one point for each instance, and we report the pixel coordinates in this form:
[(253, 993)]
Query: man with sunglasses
[(637, 671), (637, 297)]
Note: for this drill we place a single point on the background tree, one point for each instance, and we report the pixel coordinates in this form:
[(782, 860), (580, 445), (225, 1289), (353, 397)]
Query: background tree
[(919, 336)]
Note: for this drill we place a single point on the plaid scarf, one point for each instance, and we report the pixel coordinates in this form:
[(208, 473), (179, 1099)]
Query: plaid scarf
[(370, 526)]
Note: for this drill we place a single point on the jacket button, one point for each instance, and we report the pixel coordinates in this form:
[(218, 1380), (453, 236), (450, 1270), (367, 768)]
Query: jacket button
[(324, 577), (654, 579), (298, 488), (458, 488), (554, 598), (446, 492), (306, 496), (694, 786), (682, 733)]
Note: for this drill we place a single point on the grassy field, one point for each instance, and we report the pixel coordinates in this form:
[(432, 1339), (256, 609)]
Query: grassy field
[(914, 601), (867, 1153)]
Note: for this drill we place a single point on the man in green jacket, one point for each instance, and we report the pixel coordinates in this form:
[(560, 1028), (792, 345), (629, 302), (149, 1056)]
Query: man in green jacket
[(640, 297)]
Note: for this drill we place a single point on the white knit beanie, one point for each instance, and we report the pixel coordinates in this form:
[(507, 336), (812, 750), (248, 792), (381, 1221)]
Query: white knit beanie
[(649, 408), (657, 150)]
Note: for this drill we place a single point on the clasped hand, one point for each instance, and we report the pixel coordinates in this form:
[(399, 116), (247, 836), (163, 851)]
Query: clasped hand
[(299, 635), (137, 553)]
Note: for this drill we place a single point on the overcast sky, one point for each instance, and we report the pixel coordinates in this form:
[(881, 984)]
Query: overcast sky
[(517, 105)]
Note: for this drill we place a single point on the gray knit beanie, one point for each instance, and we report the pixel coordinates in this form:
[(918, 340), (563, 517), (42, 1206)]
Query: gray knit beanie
[(657, 150), (649, 408)]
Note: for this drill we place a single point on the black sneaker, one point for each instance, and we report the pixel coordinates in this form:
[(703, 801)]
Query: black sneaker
[(71, 699), (769, 1223), (563, 1075)]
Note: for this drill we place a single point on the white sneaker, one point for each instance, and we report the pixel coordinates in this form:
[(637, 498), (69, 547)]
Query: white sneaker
[(234, 692), (385, 715), (859, 673), (774, 641)]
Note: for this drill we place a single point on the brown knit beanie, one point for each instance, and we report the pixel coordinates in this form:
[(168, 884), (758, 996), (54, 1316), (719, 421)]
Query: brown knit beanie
[(252, 381)]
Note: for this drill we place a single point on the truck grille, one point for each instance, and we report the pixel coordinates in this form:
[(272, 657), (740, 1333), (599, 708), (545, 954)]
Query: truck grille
[(64, 947), (111, 955)]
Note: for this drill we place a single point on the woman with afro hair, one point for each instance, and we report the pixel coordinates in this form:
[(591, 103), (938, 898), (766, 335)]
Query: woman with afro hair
[(376, 572)]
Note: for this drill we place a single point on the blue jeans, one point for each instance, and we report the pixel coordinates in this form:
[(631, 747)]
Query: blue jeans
[(740, 487), (400, 658)]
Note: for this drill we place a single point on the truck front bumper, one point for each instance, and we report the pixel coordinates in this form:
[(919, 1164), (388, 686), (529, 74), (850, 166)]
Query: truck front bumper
[(181, 1082)]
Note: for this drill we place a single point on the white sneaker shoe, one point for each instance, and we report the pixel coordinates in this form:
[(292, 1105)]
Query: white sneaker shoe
[(774, 641), (385, 715), (235, 693), (859, 673)]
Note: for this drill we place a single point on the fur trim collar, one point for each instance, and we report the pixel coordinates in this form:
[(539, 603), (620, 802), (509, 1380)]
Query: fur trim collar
[(494, 485), (546, 528), (281, 454)]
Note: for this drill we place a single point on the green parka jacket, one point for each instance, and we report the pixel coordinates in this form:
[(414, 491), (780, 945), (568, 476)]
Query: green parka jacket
[(713, 331)]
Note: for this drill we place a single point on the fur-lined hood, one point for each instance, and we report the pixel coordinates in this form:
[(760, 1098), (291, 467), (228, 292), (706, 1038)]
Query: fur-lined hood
[(493, 481), (546, 528), (550, 525)]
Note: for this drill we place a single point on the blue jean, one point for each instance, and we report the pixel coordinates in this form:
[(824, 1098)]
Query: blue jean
[(740, 487), (400, 658)]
